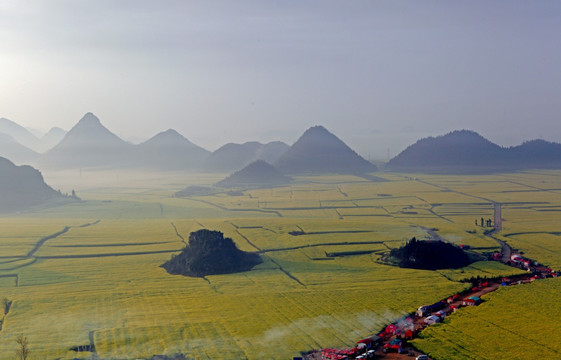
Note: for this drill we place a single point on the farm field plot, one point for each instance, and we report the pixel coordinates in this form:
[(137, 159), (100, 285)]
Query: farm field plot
[(100, 279), (513, 322), (126, 300), (481, 269)]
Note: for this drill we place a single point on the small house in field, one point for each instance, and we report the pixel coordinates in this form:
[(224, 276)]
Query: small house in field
[(472, 301)]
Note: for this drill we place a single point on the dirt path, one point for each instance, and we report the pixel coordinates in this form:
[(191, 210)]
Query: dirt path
[(498, 217), (40, 243), (92, 346), (498, 220), (433, 234), (43, 240)]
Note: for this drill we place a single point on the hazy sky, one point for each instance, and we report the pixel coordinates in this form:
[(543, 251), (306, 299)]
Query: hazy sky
[(379, 74)]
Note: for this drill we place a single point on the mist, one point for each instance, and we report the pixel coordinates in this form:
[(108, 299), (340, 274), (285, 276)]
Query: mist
[(379, 74)]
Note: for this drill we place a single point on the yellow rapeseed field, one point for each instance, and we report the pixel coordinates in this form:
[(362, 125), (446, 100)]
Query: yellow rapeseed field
[(99, 281)]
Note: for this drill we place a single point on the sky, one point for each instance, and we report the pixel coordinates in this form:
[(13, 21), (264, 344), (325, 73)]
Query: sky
[(378, 74)]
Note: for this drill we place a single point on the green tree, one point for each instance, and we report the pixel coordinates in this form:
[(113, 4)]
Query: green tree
[(22, 352)]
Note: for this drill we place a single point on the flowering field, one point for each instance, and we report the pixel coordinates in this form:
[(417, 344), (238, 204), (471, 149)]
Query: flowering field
[(88, 273)]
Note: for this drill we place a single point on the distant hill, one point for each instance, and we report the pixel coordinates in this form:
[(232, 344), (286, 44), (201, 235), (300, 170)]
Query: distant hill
[(20, 134), (52, 138), (272, 151), (536, 154), (169, 150), (88, 144), (16, 152), (465, 151), (31, 138), (259, 173), (22, 186), (37, 133), (210, 253), (232, 157), (319, 151)]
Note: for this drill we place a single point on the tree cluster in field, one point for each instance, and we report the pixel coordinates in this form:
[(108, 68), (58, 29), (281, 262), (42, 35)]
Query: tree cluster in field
[(430, 255), (210, 253)]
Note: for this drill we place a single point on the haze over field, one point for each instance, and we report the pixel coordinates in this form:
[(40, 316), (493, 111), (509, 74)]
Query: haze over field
[(275, 179), (378, 74)]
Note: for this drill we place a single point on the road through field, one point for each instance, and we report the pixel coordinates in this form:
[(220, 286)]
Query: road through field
[(497, 218), (506, 250), (478, 291)]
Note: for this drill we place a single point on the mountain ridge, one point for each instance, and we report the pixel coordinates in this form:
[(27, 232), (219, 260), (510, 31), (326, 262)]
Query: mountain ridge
[(319, 151), (466, 151), (87, 144), (232, 156), (259, 173), (169, 150), (15, 151), (20, 134), (22, 187)]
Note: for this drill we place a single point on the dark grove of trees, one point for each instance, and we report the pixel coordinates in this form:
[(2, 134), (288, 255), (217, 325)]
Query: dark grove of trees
[(210, 253), (430, 255)]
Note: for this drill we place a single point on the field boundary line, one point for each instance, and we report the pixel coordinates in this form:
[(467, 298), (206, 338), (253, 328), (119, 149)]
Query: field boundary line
[(324, 244), (287, 273), (237, 210), (85, 256), (248, 241), (178, 234), (15, 276)]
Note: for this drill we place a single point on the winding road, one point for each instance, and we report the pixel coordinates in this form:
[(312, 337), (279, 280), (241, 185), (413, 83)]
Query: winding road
[(492, 286)]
